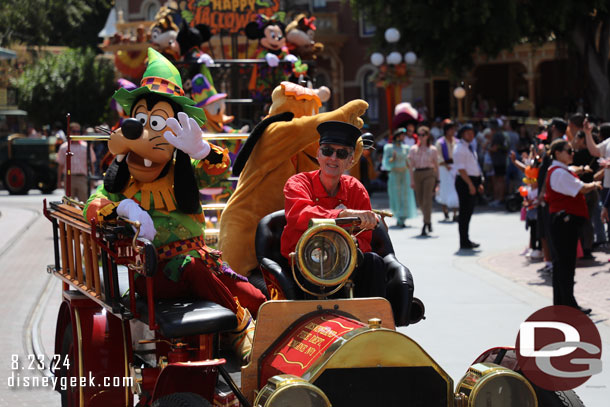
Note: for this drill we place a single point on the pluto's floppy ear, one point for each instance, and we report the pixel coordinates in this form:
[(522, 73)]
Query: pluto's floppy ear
[(185, 184), (116, 177)]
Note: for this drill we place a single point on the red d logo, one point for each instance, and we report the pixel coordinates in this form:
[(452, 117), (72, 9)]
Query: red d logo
[(559, 348)]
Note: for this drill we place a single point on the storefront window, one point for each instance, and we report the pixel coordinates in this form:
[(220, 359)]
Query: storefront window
[(370, 93)]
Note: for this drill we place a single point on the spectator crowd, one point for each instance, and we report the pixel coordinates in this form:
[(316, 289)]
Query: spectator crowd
[(558, 169)]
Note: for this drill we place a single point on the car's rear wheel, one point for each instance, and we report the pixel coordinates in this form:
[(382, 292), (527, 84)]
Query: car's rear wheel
[(69, 394), (48, 188), (17, 178), (182, 400), (568, 398)]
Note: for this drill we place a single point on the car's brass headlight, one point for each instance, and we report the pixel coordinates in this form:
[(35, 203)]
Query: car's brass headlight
[(290, 391), (487, 384), (326, 254)]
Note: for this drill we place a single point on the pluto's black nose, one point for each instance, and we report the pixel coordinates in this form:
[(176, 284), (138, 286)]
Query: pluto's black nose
[(132, 129)]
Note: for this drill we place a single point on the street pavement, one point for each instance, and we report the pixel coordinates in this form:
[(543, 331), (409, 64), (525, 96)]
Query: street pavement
[(474, 300), (25, 250)]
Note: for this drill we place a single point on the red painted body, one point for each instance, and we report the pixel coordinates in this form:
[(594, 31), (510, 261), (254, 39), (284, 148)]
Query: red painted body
[(196, 377), (103, 351)]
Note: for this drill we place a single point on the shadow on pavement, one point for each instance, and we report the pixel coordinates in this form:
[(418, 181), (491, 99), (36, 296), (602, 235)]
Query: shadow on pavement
[(589, 263), (467, 252)]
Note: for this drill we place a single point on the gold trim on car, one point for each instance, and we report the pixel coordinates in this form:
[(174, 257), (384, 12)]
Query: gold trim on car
[(306, 237)]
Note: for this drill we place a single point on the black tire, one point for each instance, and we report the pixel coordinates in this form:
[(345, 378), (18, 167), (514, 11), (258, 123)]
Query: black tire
[(48, 189), (182, 400), (17, 178), (568, 398), (68, 398)]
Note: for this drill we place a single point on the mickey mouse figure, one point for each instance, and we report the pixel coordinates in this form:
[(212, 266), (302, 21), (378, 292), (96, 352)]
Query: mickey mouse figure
[(161, 163), (271, 36)]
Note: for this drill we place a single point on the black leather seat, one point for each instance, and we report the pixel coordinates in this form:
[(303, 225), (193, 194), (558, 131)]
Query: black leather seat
[(179, 317), (398, 277)]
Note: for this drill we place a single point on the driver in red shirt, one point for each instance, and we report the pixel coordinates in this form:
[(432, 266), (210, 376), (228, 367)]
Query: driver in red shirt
[(329, 193)]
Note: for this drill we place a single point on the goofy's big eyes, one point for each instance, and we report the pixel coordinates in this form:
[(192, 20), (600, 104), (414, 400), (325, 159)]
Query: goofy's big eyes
[(157, 123), (142, 118)]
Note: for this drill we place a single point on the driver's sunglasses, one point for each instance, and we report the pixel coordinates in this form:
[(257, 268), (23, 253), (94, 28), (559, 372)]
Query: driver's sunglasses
[(342, 153)]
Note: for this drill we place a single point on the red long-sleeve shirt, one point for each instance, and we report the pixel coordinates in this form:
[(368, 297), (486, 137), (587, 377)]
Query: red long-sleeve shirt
[(306, 198)]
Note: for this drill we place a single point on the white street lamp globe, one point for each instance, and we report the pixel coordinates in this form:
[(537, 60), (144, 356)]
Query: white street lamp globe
[(394, 58), (459, 92), (392, 35), (377, 58), (410, 57)]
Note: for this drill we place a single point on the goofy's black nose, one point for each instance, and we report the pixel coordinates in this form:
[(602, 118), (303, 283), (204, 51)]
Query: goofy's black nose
[(132, 129)]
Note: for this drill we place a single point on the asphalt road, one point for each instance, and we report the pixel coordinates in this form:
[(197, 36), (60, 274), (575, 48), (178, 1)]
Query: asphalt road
[(470, 305), (25, 250)]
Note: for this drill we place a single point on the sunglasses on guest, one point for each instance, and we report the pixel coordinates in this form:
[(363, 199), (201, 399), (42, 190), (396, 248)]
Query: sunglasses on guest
[(423, 133), (569, 150), (342, 153)]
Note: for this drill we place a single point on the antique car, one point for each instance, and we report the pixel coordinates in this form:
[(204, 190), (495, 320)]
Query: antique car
[(123, 350)]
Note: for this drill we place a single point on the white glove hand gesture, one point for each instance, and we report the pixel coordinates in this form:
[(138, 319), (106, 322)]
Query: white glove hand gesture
[(129, 209), (187, 136), (272, 60), (290, 58), (205, 59)]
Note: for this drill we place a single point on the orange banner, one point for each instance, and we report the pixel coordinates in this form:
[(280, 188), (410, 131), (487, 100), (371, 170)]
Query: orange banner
[(229, 16)]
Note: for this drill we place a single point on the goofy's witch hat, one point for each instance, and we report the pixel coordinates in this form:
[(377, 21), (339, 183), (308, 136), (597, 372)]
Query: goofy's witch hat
[(163, 78)]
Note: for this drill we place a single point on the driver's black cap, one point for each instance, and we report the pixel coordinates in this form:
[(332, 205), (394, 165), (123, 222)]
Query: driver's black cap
[(341, 133)]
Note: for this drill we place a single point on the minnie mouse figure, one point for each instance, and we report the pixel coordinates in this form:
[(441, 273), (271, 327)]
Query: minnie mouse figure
[(271, 36)]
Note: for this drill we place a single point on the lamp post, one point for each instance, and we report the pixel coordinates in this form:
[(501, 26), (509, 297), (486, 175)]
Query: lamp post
[(459, 93), (392, 72)]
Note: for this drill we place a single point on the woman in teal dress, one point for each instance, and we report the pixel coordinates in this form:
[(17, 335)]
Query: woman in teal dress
[(402, 197)]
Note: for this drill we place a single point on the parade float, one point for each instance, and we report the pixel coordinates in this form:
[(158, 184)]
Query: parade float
[(309, 348)]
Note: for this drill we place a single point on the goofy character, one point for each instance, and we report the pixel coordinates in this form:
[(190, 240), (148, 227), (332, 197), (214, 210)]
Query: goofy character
[(161, 162)]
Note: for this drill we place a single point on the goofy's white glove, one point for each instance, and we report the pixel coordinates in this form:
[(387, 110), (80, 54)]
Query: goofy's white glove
[(129, 209), (272, 60), (187, 136)]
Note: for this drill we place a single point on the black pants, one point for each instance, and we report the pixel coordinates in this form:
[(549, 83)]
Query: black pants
[(535, 244), (564, 241), (586, 231), (467, 203)]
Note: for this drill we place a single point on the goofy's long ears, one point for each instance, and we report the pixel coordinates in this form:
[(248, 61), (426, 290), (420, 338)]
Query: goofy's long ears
[(185, 184), (116, 176)]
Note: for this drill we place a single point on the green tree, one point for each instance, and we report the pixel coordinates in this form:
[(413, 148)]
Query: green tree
[(73, 23), (75, 82), (446, 33)]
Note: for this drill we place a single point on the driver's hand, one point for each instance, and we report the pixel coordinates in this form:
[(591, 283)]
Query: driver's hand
[(368, 219)]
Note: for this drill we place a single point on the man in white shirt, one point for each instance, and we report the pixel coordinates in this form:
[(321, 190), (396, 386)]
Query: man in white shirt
[(598, 150), (467, 183), (80, 179)]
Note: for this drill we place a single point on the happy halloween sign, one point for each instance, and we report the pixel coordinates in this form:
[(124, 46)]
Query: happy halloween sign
[(226, 15)]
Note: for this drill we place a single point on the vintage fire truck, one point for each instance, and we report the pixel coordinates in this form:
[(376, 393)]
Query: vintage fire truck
[(309, 349)]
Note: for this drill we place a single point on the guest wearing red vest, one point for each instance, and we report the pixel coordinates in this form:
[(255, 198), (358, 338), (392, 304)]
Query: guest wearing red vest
[(568, 208)]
